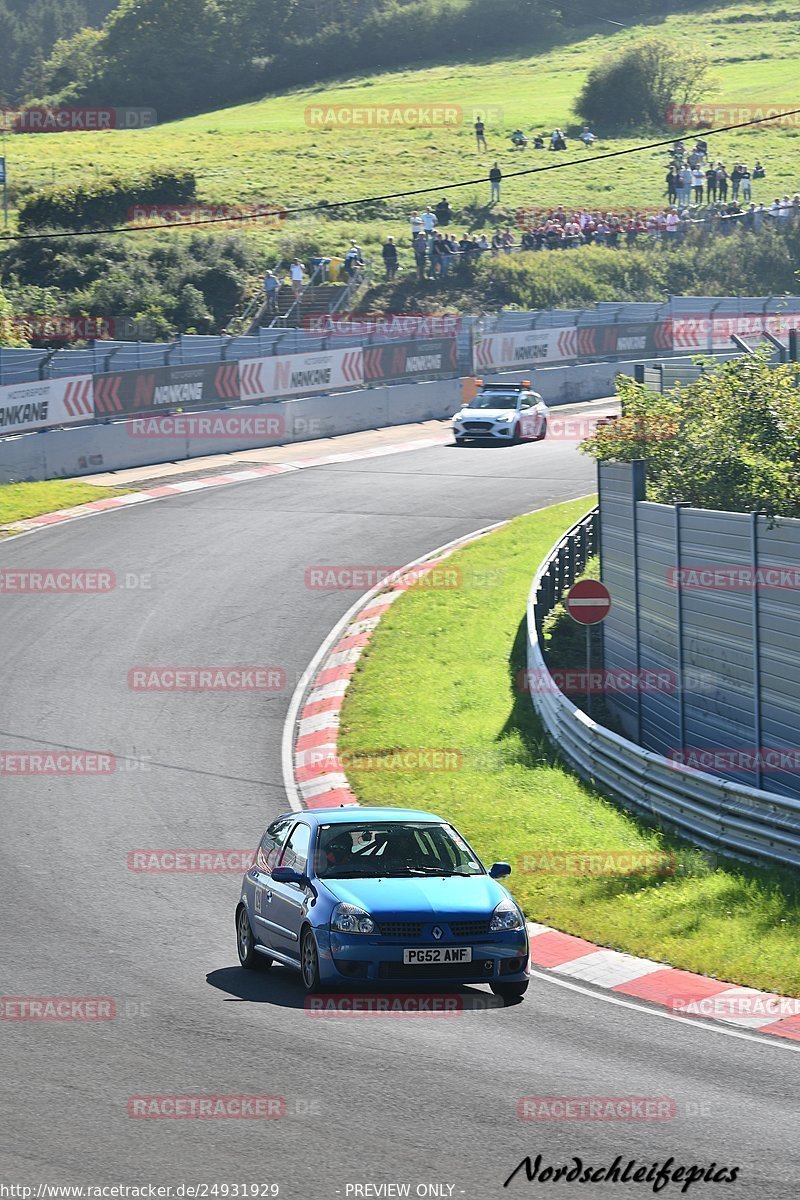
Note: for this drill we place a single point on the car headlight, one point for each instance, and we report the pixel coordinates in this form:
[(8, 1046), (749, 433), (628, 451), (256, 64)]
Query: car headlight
[(506, 916), (503, 418), (349, 918)]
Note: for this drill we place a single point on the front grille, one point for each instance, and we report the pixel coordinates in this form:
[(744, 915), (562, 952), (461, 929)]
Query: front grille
[(401, 929), (477, 426), (398, 970), (469, 929)]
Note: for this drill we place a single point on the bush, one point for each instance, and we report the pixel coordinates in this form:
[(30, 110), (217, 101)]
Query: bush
[(634, 89), (731, 440), (105, 203)]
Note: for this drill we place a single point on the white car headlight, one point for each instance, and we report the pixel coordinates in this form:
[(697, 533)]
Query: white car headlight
[(506, 916), (349, 918)]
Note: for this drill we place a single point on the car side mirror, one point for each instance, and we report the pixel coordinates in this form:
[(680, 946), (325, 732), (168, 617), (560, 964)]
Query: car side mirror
[(499, 870), (287, 875)]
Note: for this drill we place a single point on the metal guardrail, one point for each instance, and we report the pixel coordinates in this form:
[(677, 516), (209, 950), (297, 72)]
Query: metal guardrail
[(714, 813)]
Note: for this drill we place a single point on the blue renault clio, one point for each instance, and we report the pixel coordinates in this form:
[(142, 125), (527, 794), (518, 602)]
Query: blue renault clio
[(379, 896)]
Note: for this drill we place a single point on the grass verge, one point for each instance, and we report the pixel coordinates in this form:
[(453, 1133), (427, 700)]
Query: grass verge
[(441, 671), (19, 501)]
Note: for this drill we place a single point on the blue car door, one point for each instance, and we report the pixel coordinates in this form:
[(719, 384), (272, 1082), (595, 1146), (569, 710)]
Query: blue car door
[(267, 857), (289, 901)]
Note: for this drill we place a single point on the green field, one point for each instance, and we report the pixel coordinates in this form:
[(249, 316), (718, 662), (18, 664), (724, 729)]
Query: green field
[(19, 501), (265, 151), (441, 670)]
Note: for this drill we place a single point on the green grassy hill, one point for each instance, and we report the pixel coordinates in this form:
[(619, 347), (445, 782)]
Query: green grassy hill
[(266, 150)]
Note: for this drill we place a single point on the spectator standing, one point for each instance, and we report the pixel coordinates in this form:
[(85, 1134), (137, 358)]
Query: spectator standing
[(443, 212), (438, 252), (672, 185), (495, 177), (711, 184), (271, 286), (297, 274), (672, 222), (744, 174), (736, 180), (698, 180), (420, 248), (429, 223), (480, 135), (389, 253), (687, 180), (722, 182), (415, 221)]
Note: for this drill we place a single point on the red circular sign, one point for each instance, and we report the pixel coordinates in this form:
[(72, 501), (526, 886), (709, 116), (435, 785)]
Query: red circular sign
[(588, 602)]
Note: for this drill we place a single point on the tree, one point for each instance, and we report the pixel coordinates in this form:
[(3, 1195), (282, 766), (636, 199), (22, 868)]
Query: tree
[(635, 88), (731, 440)]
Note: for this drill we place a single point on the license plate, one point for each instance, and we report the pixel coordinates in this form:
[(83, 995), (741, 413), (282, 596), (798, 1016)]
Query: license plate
[(439, 954)]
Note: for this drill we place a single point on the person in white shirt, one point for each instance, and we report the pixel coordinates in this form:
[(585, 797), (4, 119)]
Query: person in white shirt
[(296, 274), (415, 221), (698, 183), (672, 221), (429, 223)]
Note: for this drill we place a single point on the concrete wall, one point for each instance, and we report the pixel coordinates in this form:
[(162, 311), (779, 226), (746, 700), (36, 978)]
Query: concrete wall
[(65, 453)]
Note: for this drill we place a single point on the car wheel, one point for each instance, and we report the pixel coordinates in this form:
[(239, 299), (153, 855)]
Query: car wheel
[(309, 962), (516, 436), (543, 434), (510, 991), (249, 957)]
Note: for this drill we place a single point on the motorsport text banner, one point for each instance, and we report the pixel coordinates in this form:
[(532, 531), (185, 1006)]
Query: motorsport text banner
[(28, 406)]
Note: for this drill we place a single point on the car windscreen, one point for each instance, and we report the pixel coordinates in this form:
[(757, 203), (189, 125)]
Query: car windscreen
[(381, 850), (494, 400)]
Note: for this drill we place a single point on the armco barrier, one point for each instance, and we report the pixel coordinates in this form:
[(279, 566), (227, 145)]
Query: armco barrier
[(711, 812), (117, 445)]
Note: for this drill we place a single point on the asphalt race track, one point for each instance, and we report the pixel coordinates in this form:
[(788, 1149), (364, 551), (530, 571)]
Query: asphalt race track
[(220, 580)]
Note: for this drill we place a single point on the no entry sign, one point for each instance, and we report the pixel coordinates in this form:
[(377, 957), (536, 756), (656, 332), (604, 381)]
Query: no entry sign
[(588, 602)]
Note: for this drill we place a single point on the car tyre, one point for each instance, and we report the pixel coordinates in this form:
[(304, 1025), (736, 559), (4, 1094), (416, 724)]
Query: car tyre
[(309, 962), (510, 991), (249, 957), (543, 434)]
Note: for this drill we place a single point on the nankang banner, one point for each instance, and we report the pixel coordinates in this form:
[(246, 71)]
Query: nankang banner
[(205, 385), (45, 403), (410, 360), (301, 374), (500, 350)]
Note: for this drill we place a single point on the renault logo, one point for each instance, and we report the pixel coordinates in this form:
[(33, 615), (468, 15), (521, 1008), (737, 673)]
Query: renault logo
[(437, 933)]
